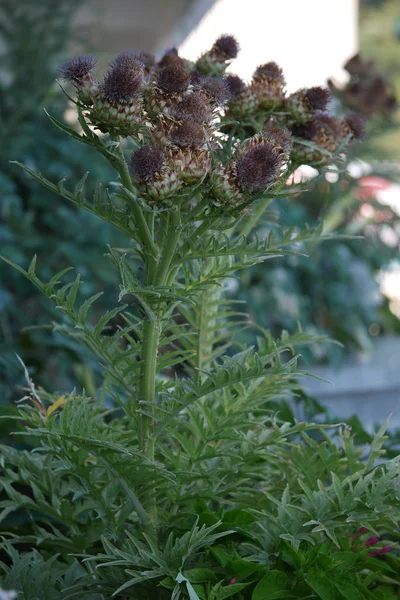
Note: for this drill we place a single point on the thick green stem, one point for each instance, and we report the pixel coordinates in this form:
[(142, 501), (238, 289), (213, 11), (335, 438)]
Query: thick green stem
[(209, 307), (210, 298), (151, 337), (169, 247), (147, 390)]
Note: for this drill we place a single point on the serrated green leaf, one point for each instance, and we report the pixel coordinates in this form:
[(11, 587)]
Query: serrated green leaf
[(321, 584), (274, 585)]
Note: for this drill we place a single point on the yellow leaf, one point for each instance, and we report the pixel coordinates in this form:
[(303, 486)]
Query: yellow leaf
[(62, 400)]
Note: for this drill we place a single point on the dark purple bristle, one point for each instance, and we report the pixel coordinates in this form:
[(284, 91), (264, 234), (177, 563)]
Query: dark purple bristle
[(270, 70), (188, 134), (195, 77), (322, 122), (356, 122), (146, 162), (235, 85), (318, 97), (77, 68), (257, 168), (123, 83), (173, 79), (193, 106), (228, 46), (134, 59), (215, 88), (278, 138), (171, 58)]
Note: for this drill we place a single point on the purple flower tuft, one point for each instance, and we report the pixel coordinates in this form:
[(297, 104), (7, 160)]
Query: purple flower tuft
[(227, 46), (123, 82), (317, 97), (146, 162), (134, 59), (356, 122), (146, 58), (173, 79), (171, 58), (193, 106), (257, 168), (189, 134), (320, 122), (279, 138), (235, 85), (215, 88), (78, 68), (195, 77), (270, 70)]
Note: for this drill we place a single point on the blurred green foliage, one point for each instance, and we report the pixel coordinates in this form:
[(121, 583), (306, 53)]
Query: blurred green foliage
[(35, 38), (333, 290), (336, 290), (379, 40)]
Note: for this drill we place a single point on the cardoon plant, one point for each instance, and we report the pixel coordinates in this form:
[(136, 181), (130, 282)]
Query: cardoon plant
[(187, 476)]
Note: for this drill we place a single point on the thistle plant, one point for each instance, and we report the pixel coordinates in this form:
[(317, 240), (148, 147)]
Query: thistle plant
[(181, 478)]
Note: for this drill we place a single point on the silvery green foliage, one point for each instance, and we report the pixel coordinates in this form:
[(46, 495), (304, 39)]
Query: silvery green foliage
[(186, 475)]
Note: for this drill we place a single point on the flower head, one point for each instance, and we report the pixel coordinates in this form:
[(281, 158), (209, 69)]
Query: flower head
[(226, 46), (216, 88), (173, 79), (195, 76), (123, 82), (215, 61), (77, 69), (188, 134), (194, 106), (235, 85), (357, 66), (134, 59), (172, 59), (305, 102), (146, 58), (321, 124), (270, 71), (146, 162), (317, 97), (279, 138), (268, 86), (168, 53), (356, 124), (258, 167)]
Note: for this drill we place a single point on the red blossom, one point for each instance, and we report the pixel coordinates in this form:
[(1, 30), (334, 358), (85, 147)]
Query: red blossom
[(359, 532), (371, 541), (380, 551)]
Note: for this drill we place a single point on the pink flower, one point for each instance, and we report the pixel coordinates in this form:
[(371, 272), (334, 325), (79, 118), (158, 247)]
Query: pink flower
[(383, 550), (232, 581), (371, 541), (359, 532)]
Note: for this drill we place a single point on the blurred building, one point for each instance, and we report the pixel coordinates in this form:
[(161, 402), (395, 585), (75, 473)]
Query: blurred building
[(310, 39)]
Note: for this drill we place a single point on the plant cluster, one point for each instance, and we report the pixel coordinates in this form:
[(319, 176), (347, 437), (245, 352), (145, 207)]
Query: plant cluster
[(180, 477), (367, 91)]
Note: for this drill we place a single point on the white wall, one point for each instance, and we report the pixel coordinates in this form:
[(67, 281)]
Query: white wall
[(309, 39)]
